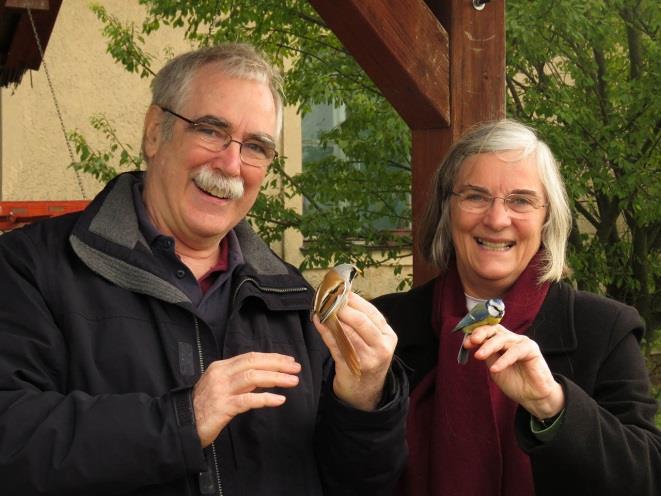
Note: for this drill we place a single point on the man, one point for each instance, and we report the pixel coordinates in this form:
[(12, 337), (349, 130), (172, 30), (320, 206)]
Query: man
[(154, 345)]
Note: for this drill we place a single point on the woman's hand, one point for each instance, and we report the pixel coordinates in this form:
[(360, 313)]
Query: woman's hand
[(374, 342), (518, 368)]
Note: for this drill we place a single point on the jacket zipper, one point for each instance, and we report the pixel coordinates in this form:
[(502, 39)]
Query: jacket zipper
[(202, 369), (200, 356), (266, 289)]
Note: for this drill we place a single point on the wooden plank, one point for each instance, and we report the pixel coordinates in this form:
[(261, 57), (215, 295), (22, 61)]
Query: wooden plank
[(403, 48)]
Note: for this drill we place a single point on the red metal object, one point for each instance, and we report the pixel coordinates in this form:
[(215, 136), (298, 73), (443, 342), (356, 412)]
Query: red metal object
[(15, 214)]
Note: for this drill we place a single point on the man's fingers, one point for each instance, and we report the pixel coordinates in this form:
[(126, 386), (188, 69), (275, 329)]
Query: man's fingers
[(366, 321), (230, 387), (249, 401), (258, 361), (251, 379), (247, 372), (329, 339), (364, 307)]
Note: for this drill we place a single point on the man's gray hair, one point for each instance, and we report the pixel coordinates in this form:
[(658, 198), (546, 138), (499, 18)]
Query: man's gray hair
[(171, 84), (504, 135)]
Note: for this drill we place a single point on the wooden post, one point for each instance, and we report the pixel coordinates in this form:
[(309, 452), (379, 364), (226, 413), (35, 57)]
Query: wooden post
[(477, 93)]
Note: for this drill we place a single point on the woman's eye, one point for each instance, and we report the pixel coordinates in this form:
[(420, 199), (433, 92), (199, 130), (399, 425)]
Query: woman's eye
[(521, 200), (476, 198)]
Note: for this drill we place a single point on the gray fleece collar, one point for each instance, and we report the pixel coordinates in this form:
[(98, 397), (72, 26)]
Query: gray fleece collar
[(116, 222)]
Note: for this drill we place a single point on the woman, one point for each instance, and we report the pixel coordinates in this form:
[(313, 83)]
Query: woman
[(553, 400)]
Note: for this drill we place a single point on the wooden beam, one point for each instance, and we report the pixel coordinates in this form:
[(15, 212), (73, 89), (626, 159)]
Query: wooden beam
[(28, 4), (440, 63), (477, 84), (23, 52), (403, 48)]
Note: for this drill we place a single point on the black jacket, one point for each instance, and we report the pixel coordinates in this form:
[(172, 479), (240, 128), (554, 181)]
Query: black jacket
[(98, 353), (607, 443)]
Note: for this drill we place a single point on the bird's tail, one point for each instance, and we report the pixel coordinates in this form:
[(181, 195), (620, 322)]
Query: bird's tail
[(347, 350), (462, 357)]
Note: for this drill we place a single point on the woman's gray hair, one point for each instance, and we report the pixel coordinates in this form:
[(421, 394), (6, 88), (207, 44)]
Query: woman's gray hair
[(171, 84), (435, 229)]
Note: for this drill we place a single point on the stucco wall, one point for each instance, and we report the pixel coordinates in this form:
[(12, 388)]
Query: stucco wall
[(86, 81)]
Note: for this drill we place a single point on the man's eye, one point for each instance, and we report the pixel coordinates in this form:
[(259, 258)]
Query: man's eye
[(256, 148), (209, 131)]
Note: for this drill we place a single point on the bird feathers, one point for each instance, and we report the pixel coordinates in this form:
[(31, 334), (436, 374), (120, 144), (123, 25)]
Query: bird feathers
[(330, 297), (490, 312), (347, 350)]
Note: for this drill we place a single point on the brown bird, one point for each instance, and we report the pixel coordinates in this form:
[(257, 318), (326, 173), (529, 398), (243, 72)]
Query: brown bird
[(330, 298)]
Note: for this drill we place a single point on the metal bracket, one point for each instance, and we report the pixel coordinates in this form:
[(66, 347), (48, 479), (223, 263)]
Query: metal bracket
[(18, 213), (480, 4)]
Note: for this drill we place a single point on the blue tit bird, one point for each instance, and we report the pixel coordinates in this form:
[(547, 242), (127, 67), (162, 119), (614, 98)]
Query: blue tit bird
[(490, 312), (331, 296)]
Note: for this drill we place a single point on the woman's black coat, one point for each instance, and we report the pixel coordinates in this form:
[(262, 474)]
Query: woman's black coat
[(607, 443)]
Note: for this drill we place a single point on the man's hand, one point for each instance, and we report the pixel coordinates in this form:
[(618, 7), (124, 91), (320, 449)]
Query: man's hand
[(228, 388), (374, 342)]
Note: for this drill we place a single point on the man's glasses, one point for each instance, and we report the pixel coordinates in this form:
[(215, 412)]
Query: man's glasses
[(253, 152), (477, 202)]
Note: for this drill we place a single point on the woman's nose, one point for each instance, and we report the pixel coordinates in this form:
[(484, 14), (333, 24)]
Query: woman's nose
[(497, 215)]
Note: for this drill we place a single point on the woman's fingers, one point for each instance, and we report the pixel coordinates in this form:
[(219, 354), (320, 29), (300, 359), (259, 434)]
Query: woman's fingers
[(501, 347)]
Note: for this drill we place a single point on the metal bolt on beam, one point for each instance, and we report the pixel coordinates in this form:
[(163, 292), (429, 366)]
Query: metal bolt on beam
[(480, 4)]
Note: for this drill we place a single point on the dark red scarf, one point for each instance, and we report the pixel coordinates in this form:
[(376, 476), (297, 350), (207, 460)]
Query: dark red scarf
[(461, 426)]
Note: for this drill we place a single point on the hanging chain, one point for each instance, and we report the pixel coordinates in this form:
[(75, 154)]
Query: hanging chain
[(57, 106)]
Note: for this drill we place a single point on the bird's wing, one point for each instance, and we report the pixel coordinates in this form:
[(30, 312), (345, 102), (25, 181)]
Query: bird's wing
[(329, 296), (347, 350), (468, 319)]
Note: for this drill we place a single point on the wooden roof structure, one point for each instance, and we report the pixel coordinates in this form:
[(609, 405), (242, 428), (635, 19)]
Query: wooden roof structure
[(18, 49), (440, 63)]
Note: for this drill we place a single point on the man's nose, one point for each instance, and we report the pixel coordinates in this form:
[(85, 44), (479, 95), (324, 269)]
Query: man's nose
[(229, 159)]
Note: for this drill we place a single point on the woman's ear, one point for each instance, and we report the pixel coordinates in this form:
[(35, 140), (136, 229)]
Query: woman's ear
[(151, 136)]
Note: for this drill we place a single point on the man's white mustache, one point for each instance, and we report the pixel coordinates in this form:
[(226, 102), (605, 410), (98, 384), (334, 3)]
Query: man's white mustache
[(217, 184)]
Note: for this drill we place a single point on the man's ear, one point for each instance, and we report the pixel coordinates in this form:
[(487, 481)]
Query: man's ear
[(152, 131)]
